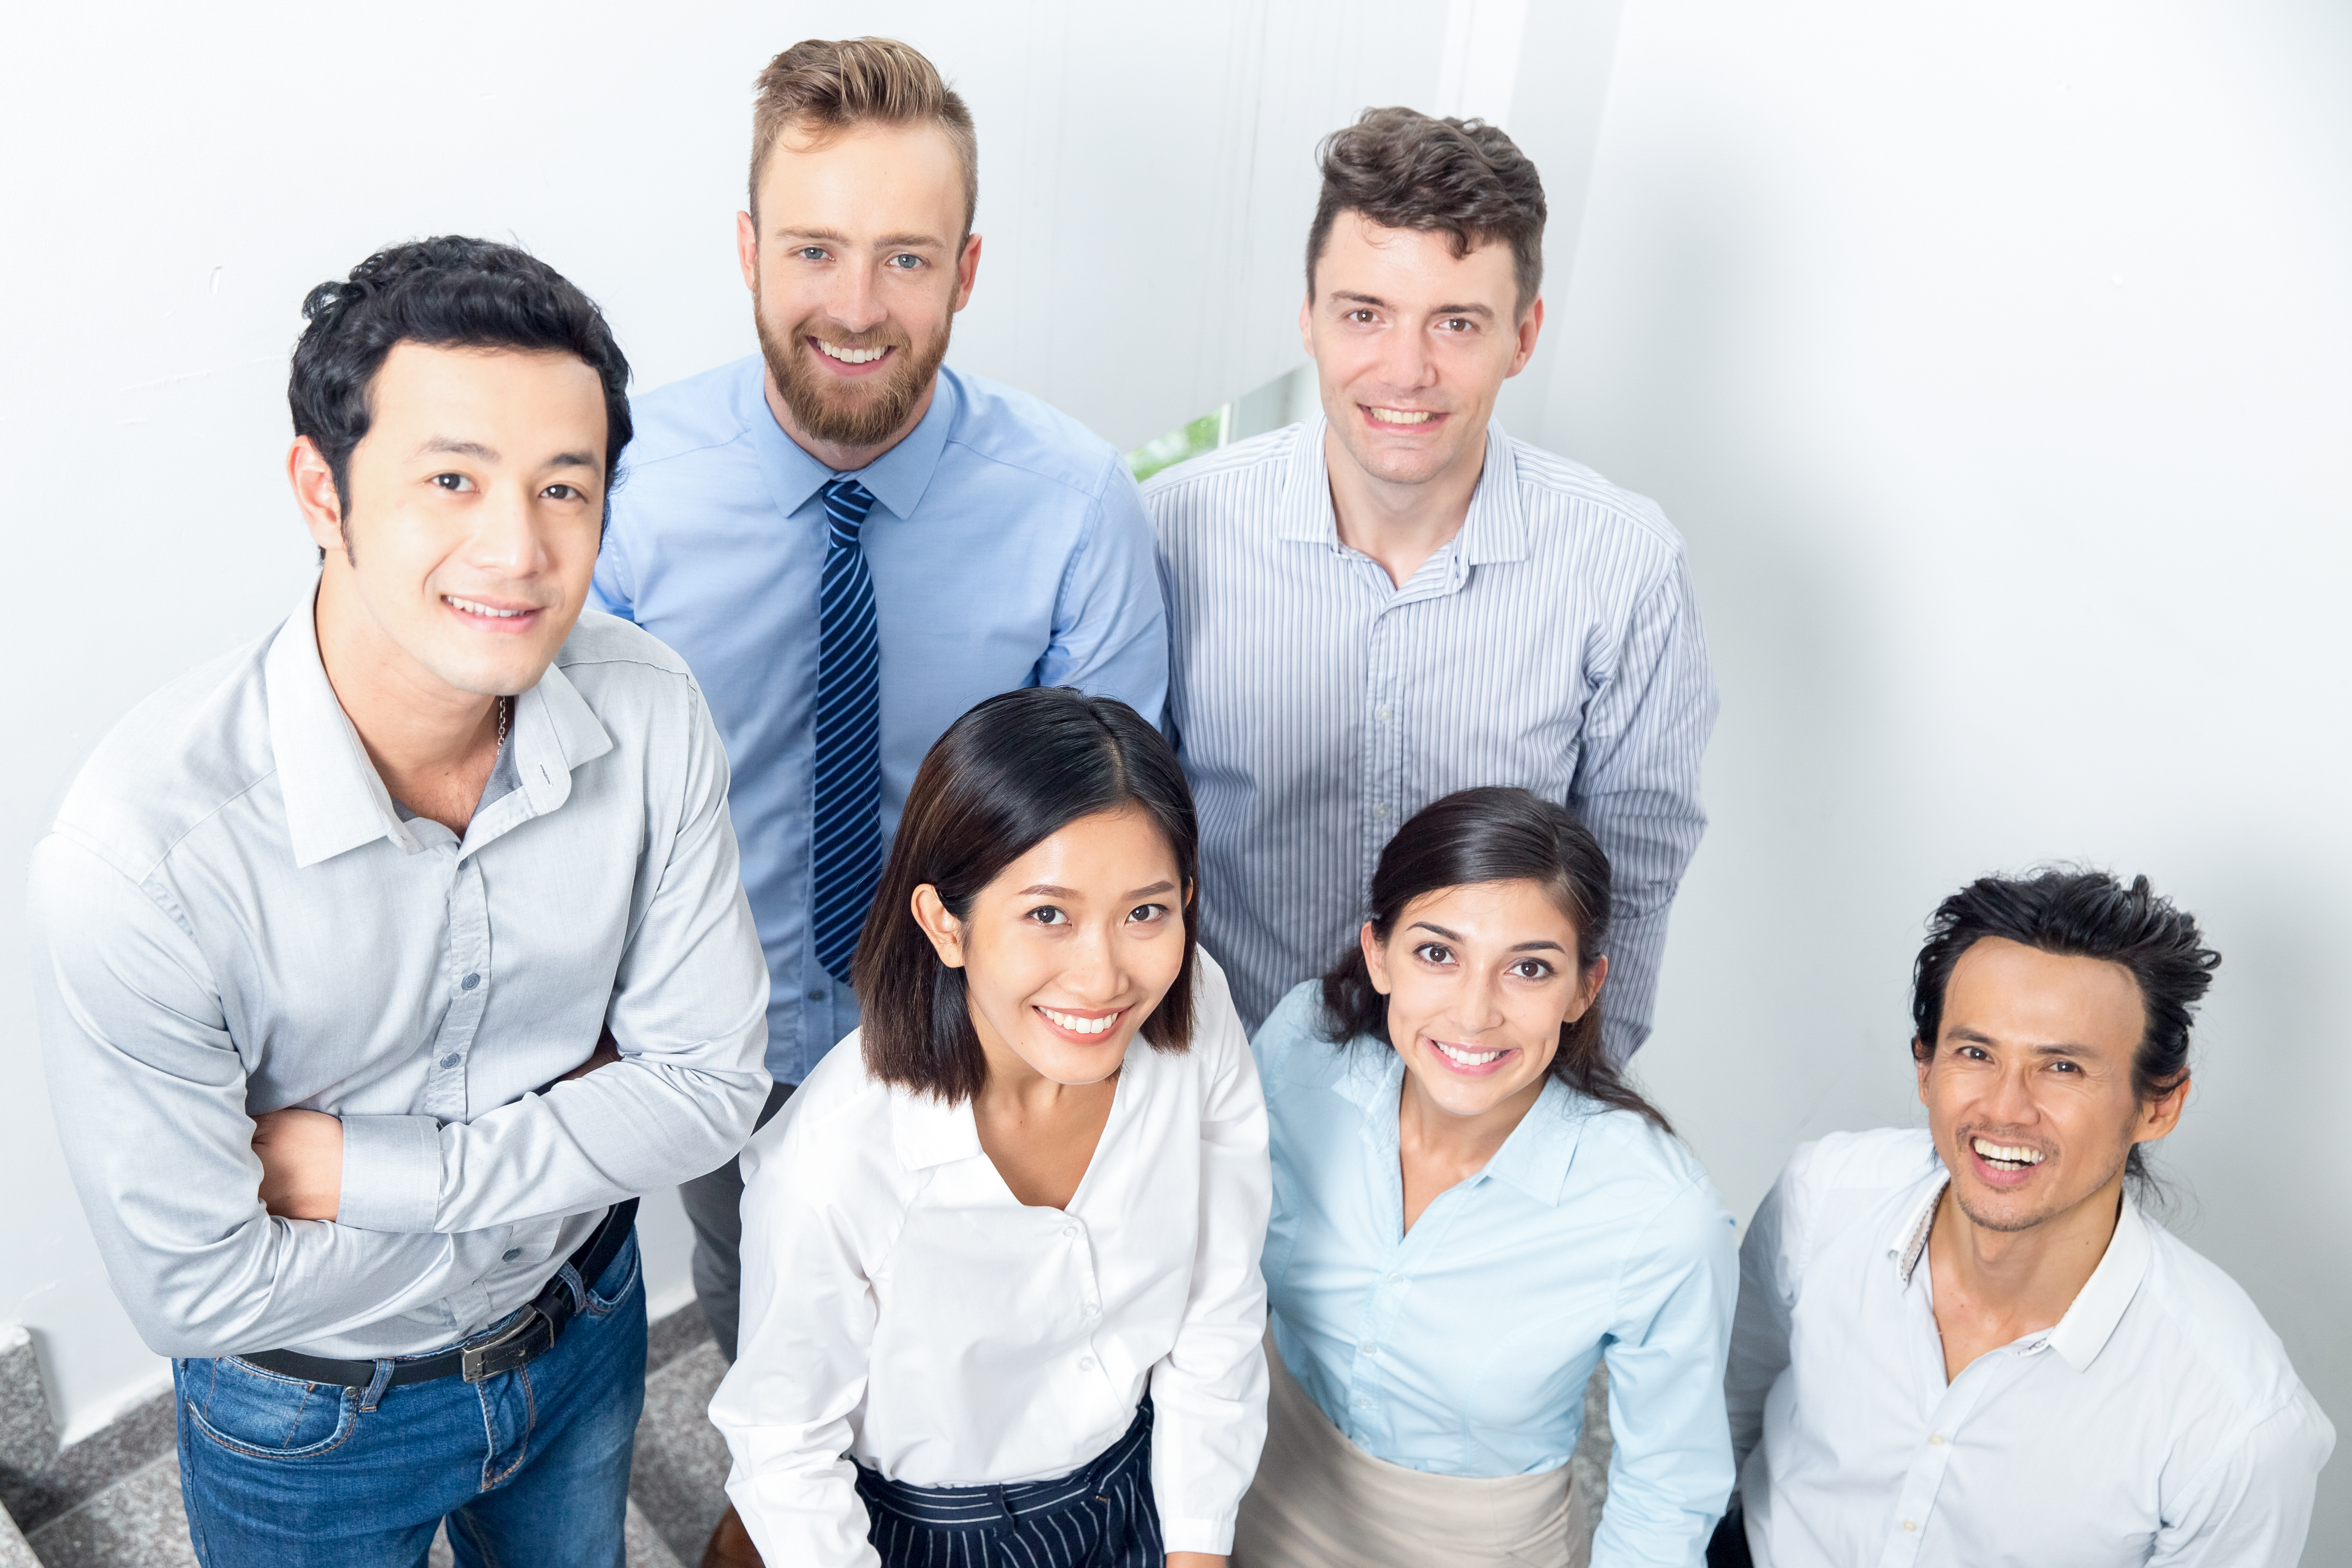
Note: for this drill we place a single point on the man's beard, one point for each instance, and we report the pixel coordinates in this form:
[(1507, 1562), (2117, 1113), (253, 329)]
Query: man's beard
[(849, 414)]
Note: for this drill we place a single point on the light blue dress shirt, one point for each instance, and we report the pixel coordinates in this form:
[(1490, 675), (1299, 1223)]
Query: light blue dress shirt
[(1462, 1347), (1008, 547)]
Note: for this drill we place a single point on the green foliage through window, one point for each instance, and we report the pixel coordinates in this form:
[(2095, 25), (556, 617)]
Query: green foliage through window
[(1203, 435)]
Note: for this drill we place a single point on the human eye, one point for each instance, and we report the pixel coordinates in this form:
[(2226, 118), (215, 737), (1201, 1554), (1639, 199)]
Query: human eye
[(905, 261), (455, 484), (1048, 915), (564, 493), (1532, 969), (1457, 325), (1148, 915), (1359, 316), (1433, 952), (810, 253)]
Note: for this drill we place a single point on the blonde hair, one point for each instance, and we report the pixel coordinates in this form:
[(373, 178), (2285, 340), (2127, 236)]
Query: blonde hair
[(825, 86)]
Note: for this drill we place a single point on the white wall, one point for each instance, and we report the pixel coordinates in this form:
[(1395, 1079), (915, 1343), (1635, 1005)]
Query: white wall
[(1996, 361), (178, 176)]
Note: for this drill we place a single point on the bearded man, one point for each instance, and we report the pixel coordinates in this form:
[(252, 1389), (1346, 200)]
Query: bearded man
[(851, 543)]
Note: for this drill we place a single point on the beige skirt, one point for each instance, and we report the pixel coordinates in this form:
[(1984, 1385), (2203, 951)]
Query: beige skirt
[(1320, 1501)]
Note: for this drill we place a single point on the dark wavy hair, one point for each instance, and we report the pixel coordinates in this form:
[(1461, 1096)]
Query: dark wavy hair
[(1015, 770), (1491, 834), (1404, 169), (444, 293), (2078, 913)]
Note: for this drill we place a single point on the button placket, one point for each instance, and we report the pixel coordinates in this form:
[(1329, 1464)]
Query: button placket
[(466, 960)]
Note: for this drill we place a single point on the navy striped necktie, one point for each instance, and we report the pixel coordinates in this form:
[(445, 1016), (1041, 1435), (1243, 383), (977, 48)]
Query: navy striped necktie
[(848, 853)]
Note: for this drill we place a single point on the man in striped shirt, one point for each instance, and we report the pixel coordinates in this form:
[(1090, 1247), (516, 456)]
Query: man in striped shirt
[(1396, 600)]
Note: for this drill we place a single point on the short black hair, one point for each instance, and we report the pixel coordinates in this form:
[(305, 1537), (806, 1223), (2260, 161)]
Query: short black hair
[(444, 293), (1463, 178), (1006, 776), (2077, 913)]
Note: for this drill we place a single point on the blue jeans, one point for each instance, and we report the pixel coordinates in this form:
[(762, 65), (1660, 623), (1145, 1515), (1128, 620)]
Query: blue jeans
[(529, 1468)]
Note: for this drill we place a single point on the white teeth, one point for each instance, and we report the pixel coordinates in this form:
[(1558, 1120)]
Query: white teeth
[(472, 608), (1465, 1058), (2004, 1154), (1402, 415), (1078, 1025), (851, 356)]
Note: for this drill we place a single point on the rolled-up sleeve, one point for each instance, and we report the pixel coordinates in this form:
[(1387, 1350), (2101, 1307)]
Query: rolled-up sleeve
[(1209, 1391), (688, 1013), (149, 1092), (1637, 787)]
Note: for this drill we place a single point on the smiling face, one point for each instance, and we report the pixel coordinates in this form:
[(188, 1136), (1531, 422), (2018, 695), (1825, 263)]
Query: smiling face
[(856, 273), (475, 508), (1068, 951), (1411, 345), (1479, 981), (2028, 1089)]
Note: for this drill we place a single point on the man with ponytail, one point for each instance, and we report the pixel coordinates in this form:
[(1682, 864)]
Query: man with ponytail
[(1969, 1343)]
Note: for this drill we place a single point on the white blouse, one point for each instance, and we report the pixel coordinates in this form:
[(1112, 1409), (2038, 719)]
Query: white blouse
[(902, 1307)]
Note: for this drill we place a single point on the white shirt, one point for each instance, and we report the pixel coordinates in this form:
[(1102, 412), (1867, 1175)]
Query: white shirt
[(2158, 1422), (901, 1306), (232, 916)]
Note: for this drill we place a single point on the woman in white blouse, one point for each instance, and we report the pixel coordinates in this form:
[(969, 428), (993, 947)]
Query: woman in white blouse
[(1001, 1289)]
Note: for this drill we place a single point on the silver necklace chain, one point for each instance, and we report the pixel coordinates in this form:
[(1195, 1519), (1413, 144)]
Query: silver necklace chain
[(504, 710)]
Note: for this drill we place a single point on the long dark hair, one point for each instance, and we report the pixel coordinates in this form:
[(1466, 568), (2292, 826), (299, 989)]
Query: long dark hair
[(1492, 836), (1006, 776)]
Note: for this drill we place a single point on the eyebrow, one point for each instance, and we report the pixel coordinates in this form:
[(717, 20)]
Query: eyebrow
[(1485, 310), (1047, 890), (1538, 944), (2059, 1048), (835, 236), (461, 449)]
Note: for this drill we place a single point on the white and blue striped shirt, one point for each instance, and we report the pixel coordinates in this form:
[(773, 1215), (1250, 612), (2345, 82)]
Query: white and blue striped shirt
[(1553, 643)]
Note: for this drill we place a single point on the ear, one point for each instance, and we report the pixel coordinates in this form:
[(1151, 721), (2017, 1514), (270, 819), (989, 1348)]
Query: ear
[(1376, 958), (945, 931), (1306, 325), (747, 251), (1589, 992), (1922, 1057), (967, 271), (2162, 1115), (314, 491), (1530, 324)]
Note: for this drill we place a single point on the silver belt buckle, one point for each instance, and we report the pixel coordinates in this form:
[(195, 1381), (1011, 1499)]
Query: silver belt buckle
[(524, 1340)]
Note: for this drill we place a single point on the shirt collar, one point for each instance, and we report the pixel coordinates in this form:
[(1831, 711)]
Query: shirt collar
[(926, 1131), (898, 477), (2090, 1321), (334, 799), (1535, 1158), (1493, 530)]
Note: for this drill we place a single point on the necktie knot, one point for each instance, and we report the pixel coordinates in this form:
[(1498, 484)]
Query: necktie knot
[(846, 502)]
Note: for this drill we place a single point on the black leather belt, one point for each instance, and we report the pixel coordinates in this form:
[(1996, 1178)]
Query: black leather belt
[(531, 1335)]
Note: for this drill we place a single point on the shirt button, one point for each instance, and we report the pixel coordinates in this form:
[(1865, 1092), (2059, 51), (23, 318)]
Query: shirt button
[(1936, 1441), (1382, 811), (510, 1254), (1069, 1232), (1909, 1525), (450, 1061), (469, 982), (817, 995), (1384, 713), (1087, 1363), (1396, 1279)]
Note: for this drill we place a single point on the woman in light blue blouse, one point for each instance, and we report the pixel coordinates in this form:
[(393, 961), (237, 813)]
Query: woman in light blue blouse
[(1470, 1207)]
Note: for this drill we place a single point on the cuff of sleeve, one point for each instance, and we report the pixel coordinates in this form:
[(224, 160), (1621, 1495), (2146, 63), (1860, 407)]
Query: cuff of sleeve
[(1214, 1536), (392, 1172)]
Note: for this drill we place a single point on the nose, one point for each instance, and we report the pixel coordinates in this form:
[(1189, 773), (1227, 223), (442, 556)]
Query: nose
[(1405, 362), (2009, 1101), (506, 542), (1478, 1006), (855, 302), (1091, 972)]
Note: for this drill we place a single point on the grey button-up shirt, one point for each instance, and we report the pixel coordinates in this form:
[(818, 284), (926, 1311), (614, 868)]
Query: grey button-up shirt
[(231, 916), (1553, 644)]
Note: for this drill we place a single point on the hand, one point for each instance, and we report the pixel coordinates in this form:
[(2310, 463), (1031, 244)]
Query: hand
[(1195, 1560), (607, 1052), (301, 1154)]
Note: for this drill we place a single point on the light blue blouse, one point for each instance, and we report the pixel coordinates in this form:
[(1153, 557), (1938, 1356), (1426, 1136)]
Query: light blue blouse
[(1463, 1348)]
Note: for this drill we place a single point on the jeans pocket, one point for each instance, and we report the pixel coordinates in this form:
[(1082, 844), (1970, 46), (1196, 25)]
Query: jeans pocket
[(262, 1414), (619, 1277)]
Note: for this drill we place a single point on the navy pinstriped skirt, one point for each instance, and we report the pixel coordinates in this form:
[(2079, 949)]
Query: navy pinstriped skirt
[(1102, 1516)]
